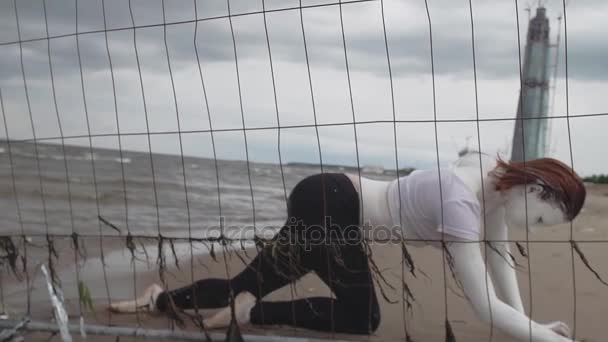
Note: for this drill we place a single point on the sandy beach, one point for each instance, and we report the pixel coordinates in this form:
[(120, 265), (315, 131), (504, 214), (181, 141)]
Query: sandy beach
[(163, 142), (549, 290)]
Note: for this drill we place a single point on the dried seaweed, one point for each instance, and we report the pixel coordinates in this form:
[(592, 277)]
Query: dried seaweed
[(511, 257), (521, 249), (80, 249), (84, 296), (10, 254), (454, 292), (174, 313), (234, 333), (586, 262), (109, 224), (212, 253), (144, 250), (161, 260), (244, 249), (197, 320), (449, 333), (52, 256), (378, 277), (171, 244), (450, 261), (408, 297), (130, 245), (407, 257)]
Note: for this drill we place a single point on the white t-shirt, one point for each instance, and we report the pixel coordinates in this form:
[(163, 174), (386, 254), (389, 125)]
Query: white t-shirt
[(421, 206)]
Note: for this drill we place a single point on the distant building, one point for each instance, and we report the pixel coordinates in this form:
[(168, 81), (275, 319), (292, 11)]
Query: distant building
[(531, 127)]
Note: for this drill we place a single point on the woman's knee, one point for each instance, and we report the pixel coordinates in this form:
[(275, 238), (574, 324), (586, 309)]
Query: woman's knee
[(365, 322), (162, 301), (374, 321)]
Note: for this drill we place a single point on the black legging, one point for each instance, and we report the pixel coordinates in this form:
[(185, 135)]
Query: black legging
[(302, 246)]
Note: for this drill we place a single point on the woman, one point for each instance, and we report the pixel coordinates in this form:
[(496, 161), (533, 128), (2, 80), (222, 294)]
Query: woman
[(437, 207)]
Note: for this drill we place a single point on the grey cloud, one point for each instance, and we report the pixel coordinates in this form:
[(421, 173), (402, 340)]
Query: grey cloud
[(409, 51)]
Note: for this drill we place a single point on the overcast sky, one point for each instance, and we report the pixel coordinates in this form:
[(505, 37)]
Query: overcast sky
[(496, 48)]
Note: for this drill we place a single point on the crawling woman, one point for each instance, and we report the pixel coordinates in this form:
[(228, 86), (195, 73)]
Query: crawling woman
[(433, 206)]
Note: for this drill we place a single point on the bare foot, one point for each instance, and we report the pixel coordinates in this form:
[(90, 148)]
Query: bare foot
[(243, 303), (145, 302)]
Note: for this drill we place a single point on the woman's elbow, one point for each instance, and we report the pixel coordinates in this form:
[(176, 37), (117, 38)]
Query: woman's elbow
[(483, 309)]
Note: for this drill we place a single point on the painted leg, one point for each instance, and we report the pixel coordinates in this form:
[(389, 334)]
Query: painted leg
[(145, 302), (243, 303)]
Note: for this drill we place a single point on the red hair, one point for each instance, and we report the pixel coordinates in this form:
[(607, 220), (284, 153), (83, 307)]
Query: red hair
[(559, 182)]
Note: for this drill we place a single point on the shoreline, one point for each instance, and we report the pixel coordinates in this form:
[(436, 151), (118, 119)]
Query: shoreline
[(548, 293)]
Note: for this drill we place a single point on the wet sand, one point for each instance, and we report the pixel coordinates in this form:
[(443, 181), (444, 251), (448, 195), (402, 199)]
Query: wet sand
[(549, 289)]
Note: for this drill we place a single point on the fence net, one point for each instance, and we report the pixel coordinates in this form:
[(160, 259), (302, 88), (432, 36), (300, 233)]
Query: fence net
[(159, 143)]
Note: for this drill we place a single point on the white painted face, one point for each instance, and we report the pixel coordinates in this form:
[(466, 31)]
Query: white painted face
[(540, 212)]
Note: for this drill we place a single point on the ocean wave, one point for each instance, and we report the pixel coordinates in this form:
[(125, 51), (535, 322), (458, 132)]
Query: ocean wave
[(123, 160), (71, 157)]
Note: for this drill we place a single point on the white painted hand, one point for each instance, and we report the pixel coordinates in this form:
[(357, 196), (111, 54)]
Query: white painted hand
[(559, 327)]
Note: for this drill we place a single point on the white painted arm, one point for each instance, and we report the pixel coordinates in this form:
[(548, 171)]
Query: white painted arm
[(470, 270), (502, 267)]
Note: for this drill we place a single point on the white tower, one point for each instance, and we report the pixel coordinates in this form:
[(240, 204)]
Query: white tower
[(531, 126)]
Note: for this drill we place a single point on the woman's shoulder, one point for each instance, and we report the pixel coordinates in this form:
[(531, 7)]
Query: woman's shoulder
[(443, 176), (476, 159), (442, 181)]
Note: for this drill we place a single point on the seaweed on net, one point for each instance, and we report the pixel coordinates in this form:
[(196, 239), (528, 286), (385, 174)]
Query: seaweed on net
[(84, 293), (196, 319), (144, 250), (108, 223), (161, 261), (24, 267), (79, 248), (10, 255), (408, 296), (130, 244), (282, 249), (172, 246), (585, 261), (243, 249), (521, 249), (502, 255), (450, 261), (174, 313), (449, 333), (407, 257), (234, 333), (52, 257), (241, 257), (454, 292), (286, 254), (84, 296), (212, 252), (377, 275)]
